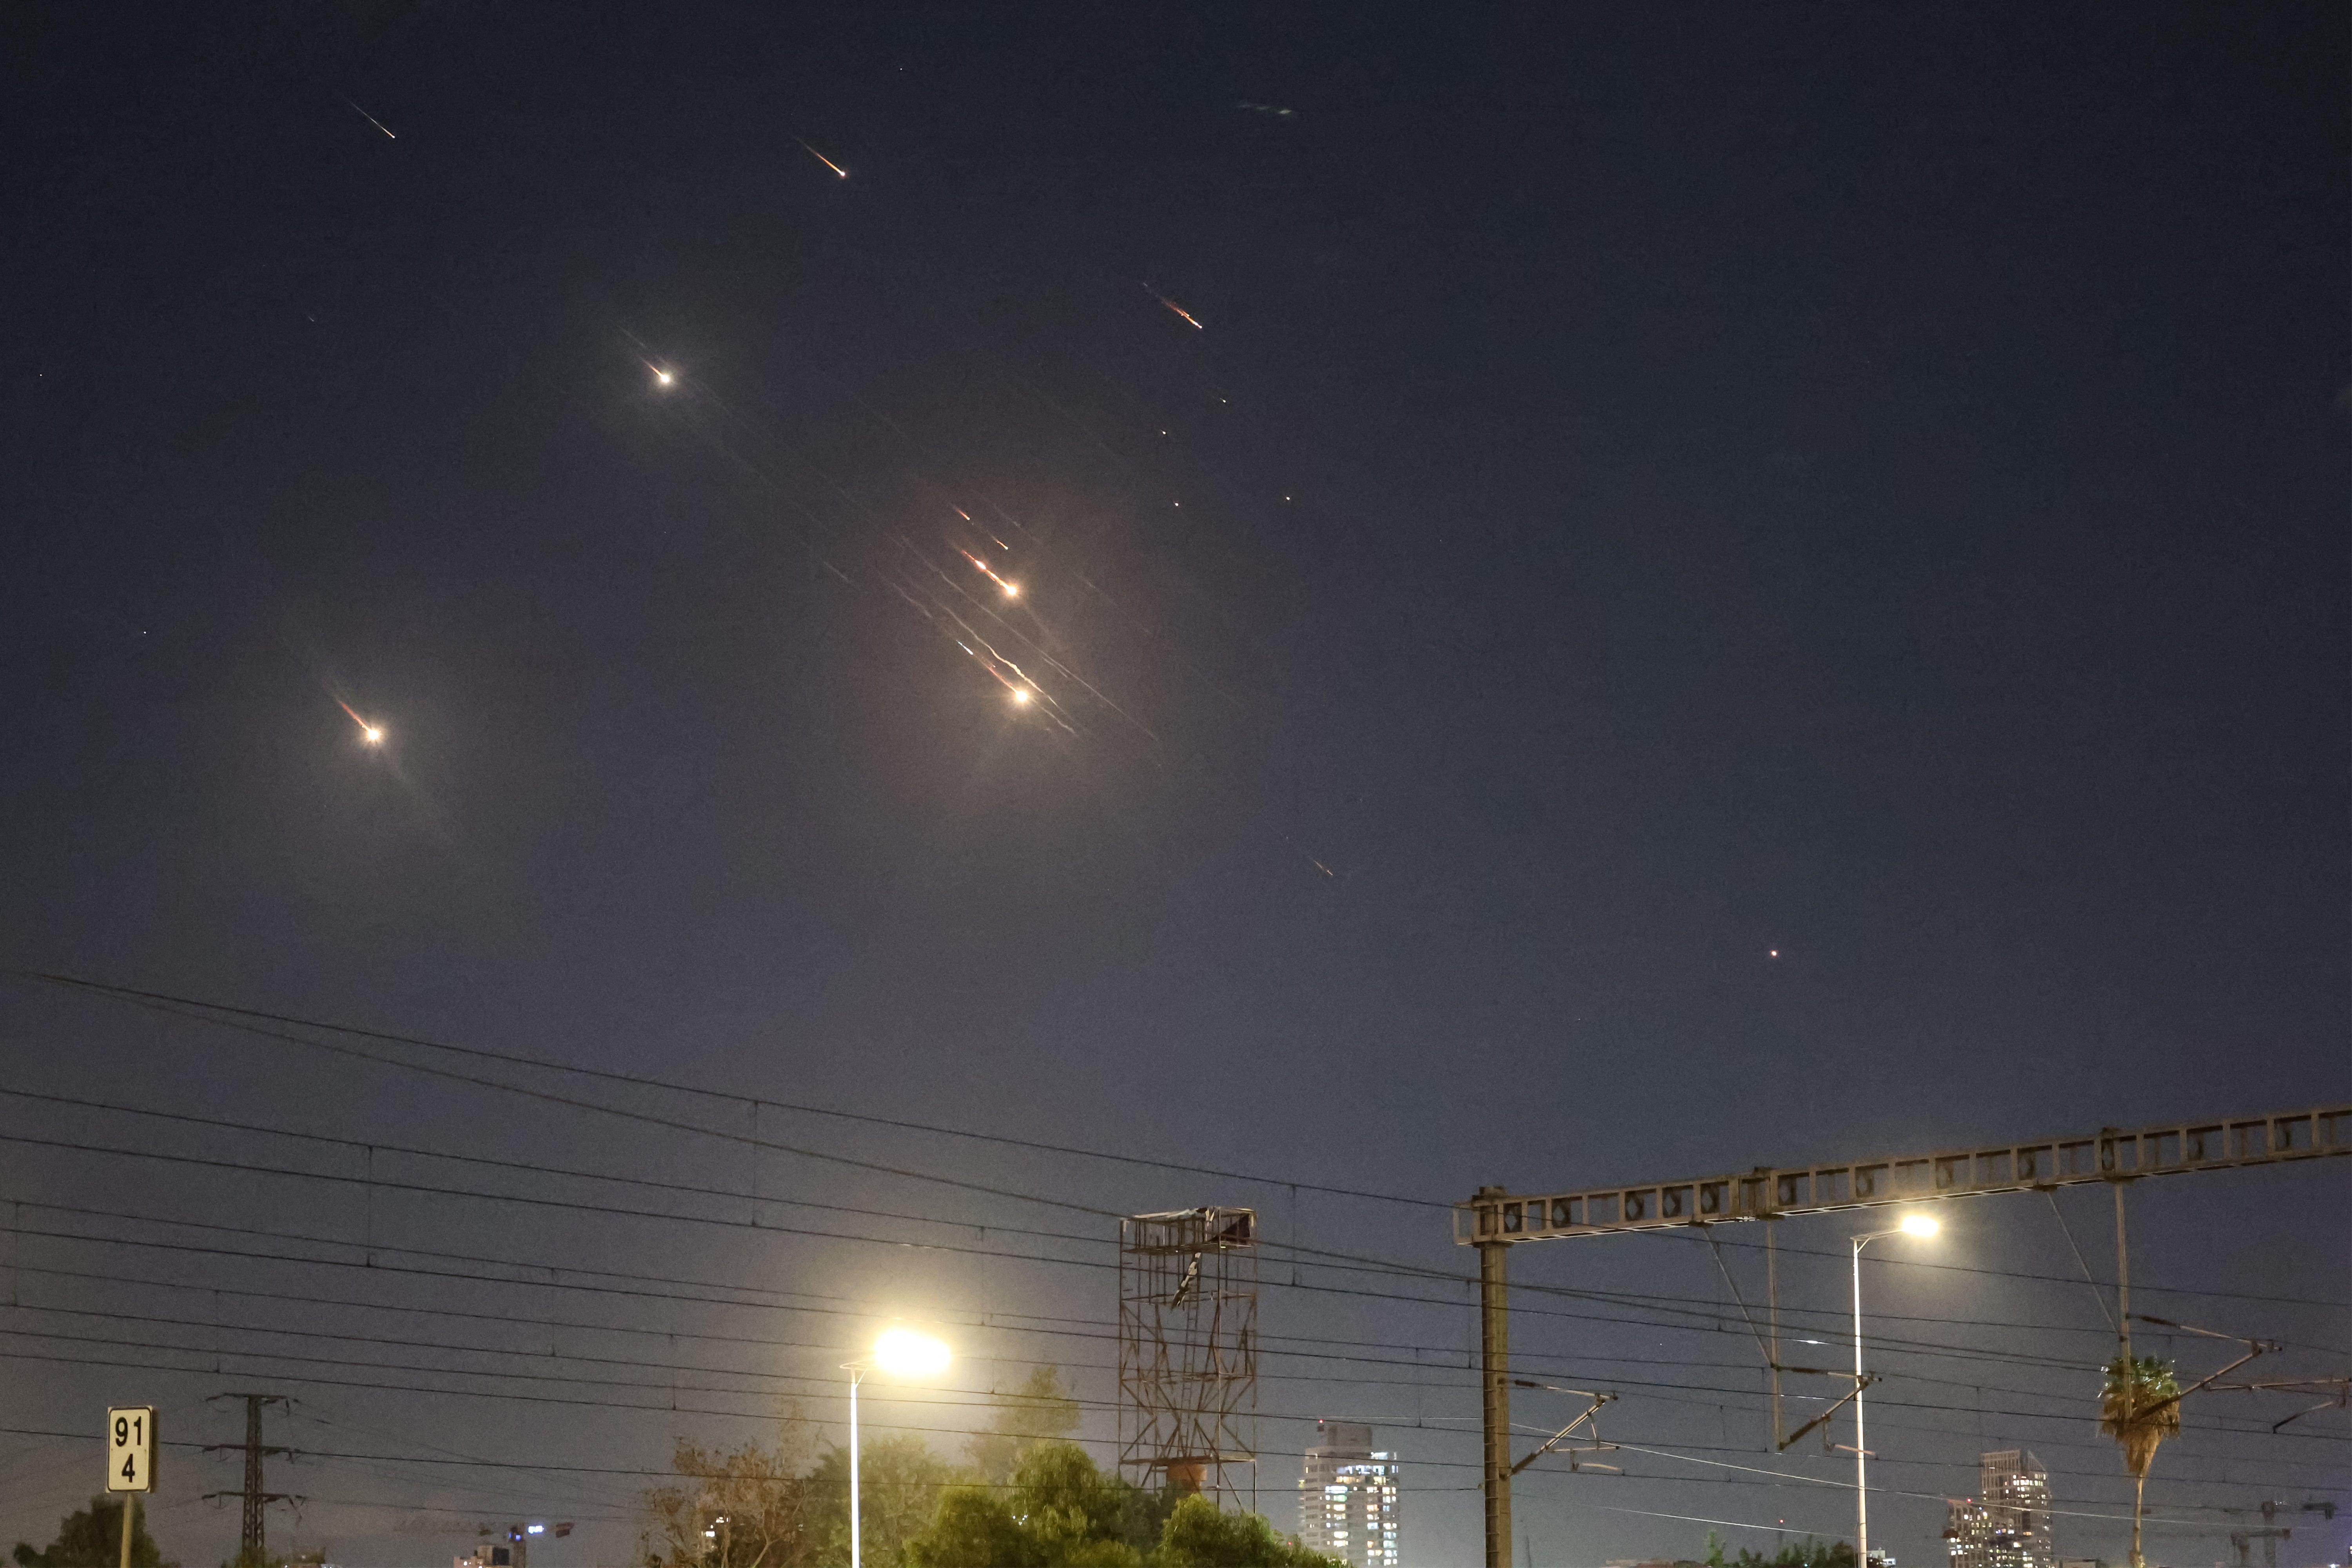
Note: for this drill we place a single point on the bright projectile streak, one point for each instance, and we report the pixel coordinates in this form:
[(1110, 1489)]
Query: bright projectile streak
[(370, 119), (1173, 306), (826, 161), (1011, 590), (1006, 672), (372, 733), (662, 377), (1058, 666)]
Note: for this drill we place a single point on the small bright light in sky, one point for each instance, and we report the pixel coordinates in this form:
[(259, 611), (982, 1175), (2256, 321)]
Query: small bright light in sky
[(1019, 694), (663, 377), (1773, 952), (1918, 1225), (903, 1352), (374, 733), (1012, 590)]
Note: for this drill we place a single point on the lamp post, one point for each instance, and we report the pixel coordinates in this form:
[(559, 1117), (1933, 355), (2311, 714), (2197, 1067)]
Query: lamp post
[(1913, 1224), (901, 1352)]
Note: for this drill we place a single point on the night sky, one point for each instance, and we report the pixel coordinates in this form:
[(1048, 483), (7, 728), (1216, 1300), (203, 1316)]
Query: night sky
[(1605, 592)]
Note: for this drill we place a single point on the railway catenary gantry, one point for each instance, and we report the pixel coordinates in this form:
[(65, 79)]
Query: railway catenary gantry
[(1496, 1220)]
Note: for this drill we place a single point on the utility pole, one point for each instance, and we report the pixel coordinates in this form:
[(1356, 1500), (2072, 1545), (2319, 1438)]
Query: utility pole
[(1772, 1307), (2123, 1284), (252, 1549), (1494, 1384)]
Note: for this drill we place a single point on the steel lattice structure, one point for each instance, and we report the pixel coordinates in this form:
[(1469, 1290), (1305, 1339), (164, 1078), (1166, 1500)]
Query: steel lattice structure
[(1496, 1220), (1188, 1349), (2109, 1155)]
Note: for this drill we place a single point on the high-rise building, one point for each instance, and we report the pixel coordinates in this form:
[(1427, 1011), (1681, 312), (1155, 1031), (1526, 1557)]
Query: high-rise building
[(2007, 1525), (1348, 1496)]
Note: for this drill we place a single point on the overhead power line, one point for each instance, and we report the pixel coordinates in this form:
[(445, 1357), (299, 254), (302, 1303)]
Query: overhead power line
[(1709, 1319), (1316, 1256), (672, 1086)]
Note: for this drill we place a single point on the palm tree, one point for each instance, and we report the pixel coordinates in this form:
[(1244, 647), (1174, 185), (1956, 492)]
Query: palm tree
[(2139, 1406)]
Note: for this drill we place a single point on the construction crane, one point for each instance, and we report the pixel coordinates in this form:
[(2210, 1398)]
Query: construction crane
[(2272, 1533), (1496, 1220)]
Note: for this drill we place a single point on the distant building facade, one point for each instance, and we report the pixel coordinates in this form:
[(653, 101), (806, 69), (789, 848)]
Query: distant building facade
[(1348, 1496), (2007, 1524)]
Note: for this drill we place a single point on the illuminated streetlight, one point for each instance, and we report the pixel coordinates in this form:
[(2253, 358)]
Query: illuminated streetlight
[(901, 1352), (1913, 1224)]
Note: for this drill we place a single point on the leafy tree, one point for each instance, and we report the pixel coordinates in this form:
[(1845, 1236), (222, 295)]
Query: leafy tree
[(1806, 1554), (975, 1527), (749, 1508), (2139, 1408), (1040, 1411), (899, 1480), (1060, 1511), (1199, 1536), (92, 1538), (1144, 1514)]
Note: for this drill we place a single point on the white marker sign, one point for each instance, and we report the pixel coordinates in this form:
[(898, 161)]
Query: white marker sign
[(130, 1448)]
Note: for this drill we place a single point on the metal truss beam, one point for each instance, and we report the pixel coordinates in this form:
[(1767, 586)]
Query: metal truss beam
[(1496, 1215)]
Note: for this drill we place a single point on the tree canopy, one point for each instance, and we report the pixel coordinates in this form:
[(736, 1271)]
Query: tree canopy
[(1040, 1411), (899, 1480), (2139, 1408), (1061, 1512), (748, 1508), (92, 1538), (1806, 1554), (1030, 1500)]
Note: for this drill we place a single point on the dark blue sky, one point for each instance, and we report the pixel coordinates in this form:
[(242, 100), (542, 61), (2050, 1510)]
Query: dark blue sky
[(1653, 488)]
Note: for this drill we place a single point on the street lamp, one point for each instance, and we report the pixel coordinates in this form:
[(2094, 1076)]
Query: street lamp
[(901, 1352), (1913, 1224)]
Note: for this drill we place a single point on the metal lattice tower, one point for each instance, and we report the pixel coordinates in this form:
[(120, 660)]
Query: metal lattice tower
[(251, 1545), (1188, 1349)]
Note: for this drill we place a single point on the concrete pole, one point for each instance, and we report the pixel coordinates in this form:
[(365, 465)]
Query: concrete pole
[(1860, 1454), (2123, 1285), (855, 1558), (1772, 1307), (1494, 1379)]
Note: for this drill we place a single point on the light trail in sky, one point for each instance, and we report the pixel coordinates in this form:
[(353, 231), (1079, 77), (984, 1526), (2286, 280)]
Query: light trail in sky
[(1175, 307), (370, 119), (372, 733), (823, 159), (1011, 590)]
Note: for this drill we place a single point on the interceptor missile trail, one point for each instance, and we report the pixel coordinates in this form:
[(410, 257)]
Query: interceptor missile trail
[(1174, 306), (370, 119), (372, 733), (826, 161)]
